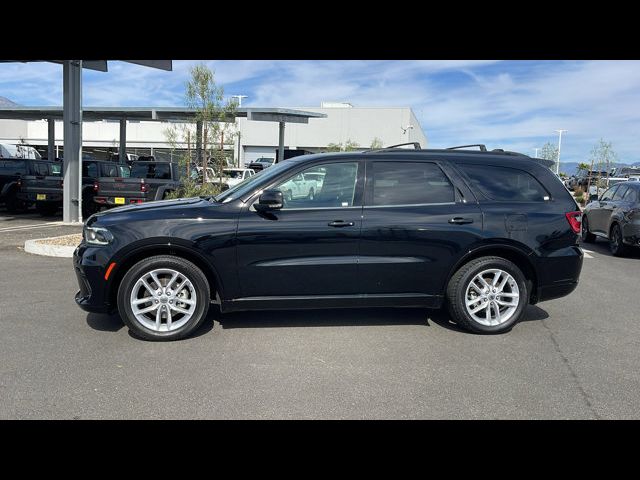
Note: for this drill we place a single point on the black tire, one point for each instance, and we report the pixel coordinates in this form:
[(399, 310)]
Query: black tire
[(616, 245), (185, 267), (89, 207), (13, 204), (585, 234), (46, 209), (457, 286)]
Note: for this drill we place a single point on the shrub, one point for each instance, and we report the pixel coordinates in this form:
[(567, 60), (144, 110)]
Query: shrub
[(192, 188)]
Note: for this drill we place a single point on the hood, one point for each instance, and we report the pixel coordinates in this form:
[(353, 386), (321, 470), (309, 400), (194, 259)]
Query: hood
[(146, 207)]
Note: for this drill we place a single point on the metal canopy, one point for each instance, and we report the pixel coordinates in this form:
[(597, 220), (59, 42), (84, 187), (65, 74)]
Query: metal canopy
[(102, 65), (158, 114)]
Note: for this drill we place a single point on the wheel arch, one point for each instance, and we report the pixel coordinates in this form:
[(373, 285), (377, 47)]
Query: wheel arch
[(124, 264), (510, 252)]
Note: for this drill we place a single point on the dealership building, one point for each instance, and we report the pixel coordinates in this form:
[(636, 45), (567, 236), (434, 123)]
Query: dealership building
[(341, 123)]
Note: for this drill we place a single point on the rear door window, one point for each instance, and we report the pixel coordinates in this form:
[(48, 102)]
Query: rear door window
[(89, 169), (408, 183), (505, 184)]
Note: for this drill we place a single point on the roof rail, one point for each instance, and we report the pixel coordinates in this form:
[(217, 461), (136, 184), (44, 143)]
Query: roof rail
[(416, 146), (480, 145)]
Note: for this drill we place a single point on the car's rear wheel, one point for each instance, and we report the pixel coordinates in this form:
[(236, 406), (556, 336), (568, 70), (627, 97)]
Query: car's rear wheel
[(163, 298), (586, 235), (13, 204), (487, 295), (616, 245)]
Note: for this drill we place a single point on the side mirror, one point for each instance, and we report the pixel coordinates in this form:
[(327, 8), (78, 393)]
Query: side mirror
[(269, 200)]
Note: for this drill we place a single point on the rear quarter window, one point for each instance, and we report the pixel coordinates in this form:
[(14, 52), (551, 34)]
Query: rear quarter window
[(505, 184)]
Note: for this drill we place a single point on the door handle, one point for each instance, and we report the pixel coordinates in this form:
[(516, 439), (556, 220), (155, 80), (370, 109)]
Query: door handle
[(340, 223), (460, 220)]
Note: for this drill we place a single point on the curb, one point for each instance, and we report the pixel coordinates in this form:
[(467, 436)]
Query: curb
[(34, 246)]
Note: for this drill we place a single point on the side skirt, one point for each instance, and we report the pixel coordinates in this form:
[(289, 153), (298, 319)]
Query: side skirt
[(301, 302)]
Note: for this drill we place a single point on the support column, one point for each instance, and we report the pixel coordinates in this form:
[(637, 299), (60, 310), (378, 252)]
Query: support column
[(280, 142), (122, 150), (72, 100), (51, 139)]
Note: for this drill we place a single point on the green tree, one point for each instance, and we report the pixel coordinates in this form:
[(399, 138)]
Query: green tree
[(604, 158), (348, 146), (376, 143), (583, 167), (549, 152), (217, 115)]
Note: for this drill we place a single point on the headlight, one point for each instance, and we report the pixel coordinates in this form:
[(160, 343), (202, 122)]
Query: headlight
[(97, 236)]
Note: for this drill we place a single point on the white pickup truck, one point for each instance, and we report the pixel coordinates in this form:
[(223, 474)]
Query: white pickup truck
[(300, 186)]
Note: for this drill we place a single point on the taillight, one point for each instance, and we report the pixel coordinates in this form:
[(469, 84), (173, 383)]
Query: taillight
[(574, 219), (144, 187), (95, 187)]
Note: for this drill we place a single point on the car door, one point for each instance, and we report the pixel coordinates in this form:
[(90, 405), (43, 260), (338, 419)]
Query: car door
[(309, 247), (618, 204), (417, 221), (600, 213)]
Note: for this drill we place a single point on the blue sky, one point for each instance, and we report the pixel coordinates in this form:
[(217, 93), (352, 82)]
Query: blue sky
[(515, 105)]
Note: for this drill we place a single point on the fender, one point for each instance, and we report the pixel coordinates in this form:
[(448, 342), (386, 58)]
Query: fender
[(493, 244), (8, 187), (160, 244)]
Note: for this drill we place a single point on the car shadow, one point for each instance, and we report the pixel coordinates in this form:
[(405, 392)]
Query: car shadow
[(347, 317), (104, 322), (601, 247), (113, 323)]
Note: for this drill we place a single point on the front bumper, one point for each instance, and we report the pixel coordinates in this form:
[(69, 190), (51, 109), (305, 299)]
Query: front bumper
[(89, 270)]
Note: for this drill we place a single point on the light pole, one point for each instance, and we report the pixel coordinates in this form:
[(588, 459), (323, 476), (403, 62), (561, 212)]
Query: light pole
[(239, 97), (559, 145)]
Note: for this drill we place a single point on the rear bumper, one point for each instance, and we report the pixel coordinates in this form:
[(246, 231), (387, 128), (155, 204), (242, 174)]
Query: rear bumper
[(111, 201), (33, 197), (558, 274), (549, 292)]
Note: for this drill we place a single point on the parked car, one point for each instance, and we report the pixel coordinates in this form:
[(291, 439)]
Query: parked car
[(261, 163), (25, 182), (92, 172), (300, 186), (484, 233), (147, 181), (634, 178), (614, 216), (233, 176)]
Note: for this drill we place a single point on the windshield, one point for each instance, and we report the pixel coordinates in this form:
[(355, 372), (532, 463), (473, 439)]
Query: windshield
[(247, 185)]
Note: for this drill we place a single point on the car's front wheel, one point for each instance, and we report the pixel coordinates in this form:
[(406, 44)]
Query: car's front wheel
[(163, 298), (487, 295)]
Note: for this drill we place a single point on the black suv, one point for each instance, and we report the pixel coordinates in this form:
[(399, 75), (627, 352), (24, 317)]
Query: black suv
[(485, 233)]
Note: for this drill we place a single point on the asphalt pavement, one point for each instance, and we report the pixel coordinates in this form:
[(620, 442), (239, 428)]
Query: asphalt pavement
[(572, 358)]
